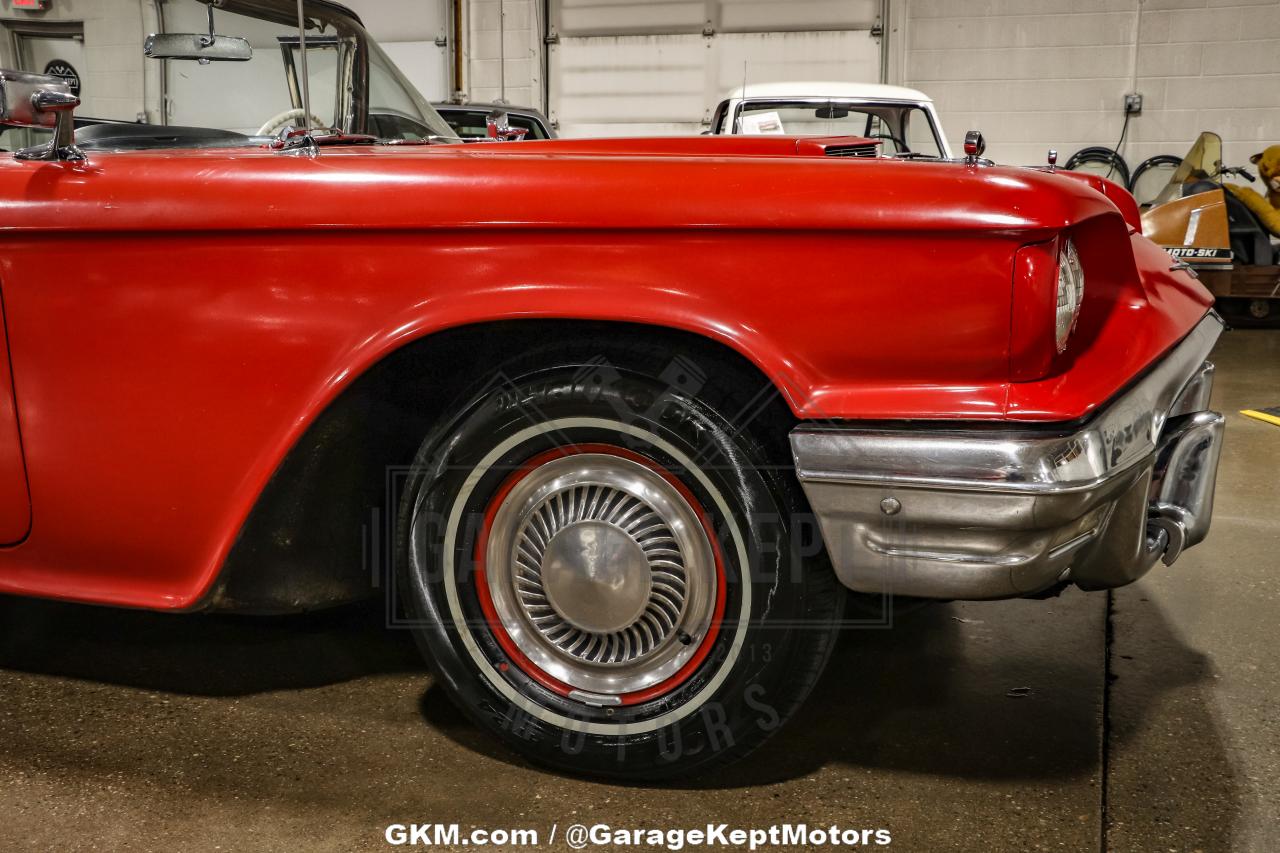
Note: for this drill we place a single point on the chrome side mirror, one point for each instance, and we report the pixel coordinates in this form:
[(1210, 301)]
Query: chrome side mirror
[(34, 100), (974, 147), (498, 128)]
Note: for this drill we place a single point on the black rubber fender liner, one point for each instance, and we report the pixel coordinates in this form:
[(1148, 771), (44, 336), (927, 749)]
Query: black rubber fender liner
[(1118, 169), (1156, 162)]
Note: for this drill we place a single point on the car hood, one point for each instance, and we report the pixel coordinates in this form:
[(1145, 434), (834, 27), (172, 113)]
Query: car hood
[(773, 183)]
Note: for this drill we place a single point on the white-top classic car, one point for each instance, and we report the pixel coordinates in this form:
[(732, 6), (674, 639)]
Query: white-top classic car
[(904, 120)]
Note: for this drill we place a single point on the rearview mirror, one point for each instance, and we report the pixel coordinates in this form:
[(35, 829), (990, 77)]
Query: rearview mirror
[(202, 47), (36, 100), (832, 112)]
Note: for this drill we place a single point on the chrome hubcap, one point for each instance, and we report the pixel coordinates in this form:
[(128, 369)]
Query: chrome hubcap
[(595, 576), (601, 573)]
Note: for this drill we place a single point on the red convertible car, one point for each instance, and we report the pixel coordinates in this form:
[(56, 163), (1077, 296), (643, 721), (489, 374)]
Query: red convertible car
[(641, 410)]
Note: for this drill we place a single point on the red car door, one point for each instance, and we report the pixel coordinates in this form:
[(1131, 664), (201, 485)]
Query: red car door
[(15, 501)]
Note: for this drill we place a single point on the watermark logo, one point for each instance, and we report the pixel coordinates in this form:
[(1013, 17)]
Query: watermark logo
[(606, 836)]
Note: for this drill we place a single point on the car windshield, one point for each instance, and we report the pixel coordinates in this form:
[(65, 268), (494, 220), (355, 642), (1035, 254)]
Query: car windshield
[(1202, 163), (353, 86), (900, 128)]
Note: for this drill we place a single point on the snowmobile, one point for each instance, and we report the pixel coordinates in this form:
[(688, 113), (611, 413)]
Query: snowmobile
[(1224, 232)]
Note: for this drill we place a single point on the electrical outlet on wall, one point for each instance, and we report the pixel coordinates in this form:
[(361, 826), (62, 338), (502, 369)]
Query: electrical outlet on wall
[(1133, 104)]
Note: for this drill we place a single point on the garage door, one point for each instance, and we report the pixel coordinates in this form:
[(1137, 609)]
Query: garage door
[(620, 67)]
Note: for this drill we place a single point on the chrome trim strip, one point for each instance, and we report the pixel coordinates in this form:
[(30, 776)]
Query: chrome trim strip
[(1075, 544), (947, 556), (1124, 433)]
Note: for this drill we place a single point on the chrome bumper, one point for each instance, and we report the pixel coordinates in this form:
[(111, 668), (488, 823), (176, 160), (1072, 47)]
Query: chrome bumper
[(976, 513)]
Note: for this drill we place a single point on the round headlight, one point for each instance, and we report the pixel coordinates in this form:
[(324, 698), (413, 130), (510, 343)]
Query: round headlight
[(1070, 293)]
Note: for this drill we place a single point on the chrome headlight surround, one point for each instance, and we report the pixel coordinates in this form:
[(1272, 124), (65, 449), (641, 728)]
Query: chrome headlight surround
[(1070, 293)]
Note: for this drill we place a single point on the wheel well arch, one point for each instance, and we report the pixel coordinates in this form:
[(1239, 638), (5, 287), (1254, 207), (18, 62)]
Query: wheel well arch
[(319, 533)]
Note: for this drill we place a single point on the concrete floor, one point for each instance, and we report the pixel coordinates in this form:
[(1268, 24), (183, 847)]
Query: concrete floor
[(1152, 727)]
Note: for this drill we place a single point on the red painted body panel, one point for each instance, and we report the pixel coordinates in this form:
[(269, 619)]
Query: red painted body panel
[(15, 502), (1115, 193), (206, 306)]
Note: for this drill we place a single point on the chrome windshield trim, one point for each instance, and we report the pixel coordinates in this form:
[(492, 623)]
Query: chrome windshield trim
[(1124, 433)]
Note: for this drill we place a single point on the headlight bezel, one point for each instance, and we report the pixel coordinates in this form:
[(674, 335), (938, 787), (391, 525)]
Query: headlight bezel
[(1068, 293)]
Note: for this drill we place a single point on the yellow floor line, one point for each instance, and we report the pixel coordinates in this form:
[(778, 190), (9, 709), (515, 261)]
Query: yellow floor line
[(1271, 416)]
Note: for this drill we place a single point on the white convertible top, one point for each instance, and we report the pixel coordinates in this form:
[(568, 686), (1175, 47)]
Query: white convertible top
[(829, 89)]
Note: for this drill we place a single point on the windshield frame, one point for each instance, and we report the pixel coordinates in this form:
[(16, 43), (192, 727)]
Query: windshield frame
[(358, 53)]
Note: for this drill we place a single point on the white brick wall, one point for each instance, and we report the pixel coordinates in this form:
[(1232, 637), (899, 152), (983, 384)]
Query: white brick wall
[(1032, 74), (1040, 74), (113, 70), (407, 30)]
